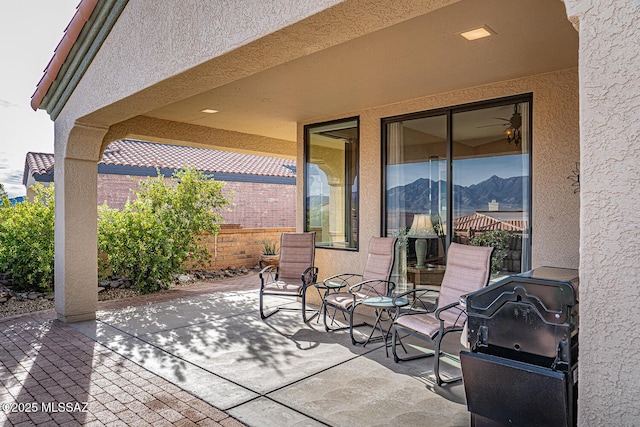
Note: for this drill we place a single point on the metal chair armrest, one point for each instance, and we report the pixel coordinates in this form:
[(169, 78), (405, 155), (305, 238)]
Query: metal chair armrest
[(453, 305), (358, 286), (268, 274), (414, 307), (435, 289), (343, 278), (309, 276)]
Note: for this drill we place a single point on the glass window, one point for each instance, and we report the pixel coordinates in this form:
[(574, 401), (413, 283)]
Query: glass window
[(490, 165), (477, 154), (416, 194), (331, 183)]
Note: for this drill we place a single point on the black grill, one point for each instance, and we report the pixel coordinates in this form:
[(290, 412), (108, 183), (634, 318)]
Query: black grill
[(522, 366)]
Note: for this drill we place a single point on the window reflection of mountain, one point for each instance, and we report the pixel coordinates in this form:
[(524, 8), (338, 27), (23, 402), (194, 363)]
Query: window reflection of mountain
[(414, 197)]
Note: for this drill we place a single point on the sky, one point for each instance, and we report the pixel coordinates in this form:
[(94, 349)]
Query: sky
[(29, 33)]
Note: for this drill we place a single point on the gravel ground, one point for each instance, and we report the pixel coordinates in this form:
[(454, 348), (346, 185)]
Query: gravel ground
[(13, 307)]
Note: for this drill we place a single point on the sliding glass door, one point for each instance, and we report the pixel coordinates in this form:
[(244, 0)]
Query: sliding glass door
[(416, 195), (491, 181), (459, 174)]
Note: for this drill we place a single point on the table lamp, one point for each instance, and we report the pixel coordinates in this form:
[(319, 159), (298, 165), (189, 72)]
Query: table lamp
[(421, 229)]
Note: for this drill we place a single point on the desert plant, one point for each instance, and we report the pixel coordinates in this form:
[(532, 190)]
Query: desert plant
[(26, 241), (153, 236), (497, 239), (269, 247)]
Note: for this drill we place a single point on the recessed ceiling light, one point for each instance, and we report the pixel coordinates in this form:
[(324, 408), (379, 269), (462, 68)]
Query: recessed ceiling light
[(209, 111), (478, 33)]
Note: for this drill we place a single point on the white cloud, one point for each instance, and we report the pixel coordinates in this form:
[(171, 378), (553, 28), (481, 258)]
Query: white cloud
[(11, 179), (30, 31), (8, 104)]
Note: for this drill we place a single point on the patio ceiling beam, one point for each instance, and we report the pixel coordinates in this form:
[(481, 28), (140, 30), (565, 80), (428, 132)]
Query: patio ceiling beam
[(178, 133)]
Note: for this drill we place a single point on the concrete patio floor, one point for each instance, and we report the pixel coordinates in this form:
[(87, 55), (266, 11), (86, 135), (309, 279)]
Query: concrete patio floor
[(211, 343)]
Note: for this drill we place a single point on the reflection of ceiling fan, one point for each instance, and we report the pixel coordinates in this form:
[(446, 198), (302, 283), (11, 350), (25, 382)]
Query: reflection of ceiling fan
[(512, 132)]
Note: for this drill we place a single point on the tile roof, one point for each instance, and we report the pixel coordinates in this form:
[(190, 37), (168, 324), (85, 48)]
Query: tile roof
[(40, 163), (133, 153), (485, 222), (61, 53)]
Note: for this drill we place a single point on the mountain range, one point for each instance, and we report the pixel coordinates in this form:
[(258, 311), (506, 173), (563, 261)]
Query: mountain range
[(414, 197)]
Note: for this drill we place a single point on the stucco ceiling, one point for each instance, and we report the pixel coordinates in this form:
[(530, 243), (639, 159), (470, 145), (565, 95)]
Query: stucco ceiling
[(421, 56)]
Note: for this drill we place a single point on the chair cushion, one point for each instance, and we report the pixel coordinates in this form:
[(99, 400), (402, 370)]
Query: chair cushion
[(380, 259), (423, 323), (468, 269), (342, 300), (297, 252), (283, 287)]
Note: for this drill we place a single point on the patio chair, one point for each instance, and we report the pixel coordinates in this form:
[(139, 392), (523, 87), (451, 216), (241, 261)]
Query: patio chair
[(293, 275), (374, 281), (468, 269)]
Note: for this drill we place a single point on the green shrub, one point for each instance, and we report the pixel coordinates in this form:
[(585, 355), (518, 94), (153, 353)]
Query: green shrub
[(26, 241), (152, 237), (500, 241)]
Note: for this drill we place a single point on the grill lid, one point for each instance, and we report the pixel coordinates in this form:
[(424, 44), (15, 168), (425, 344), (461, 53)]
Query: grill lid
[(550, 291)]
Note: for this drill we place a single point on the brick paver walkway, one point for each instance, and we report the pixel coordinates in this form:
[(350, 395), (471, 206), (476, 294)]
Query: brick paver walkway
[(50, 375)]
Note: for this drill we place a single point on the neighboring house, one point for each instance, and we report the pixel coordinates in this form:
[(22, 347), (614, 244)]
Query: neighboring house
[(262, 189), (482, 221), (387, 108)]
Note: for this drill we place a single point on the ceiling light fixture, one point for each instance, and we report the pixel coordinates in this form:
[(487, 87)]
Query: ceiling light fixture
[(209, 111), (477, 33)]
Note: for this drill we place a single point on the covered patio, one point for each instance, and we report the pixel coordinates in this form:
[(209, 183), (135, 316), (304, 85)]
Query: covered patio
[(210, 342), (253, 77)]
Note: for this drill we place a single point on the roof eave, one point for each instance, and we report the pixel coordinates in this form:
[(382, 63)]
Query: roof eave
[(83, 37)]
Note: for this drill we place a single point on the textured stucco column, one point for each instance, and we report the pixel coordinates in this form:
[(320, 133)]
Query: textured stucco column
[(76, 251), (609, 76)]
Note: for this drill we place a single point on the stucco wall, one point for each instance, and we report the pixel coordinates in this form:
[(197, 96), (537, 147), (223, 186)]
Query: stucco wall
[(610, 248), (198, 31), (556, 209), (161, 52)]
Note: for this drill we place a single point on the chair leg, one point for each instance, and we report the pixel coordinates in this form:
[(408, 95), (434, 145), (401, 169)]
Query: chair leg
[(436, 365), (394, 334), (324, 318), (354, 341), (326, 326), (304, 310), (396, 357), (350, 327), (396, 338), (436, 362), (262, 315)]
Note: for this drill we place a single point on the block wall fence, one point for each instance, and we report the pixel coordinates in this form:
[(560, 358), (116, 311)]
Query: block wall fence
[(240, 247), (255, 204)]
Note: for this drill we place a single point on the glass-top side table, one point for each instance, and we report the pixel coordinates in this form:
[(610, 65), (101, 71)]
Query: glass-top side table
[(383, 305)]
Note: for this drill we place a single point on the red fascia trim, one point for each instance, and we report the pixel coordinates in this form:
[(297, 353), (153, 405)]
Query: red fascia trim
[(71, 33)]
